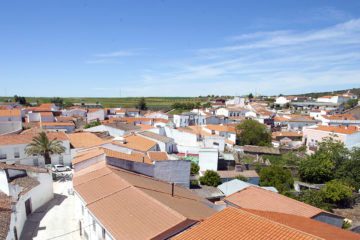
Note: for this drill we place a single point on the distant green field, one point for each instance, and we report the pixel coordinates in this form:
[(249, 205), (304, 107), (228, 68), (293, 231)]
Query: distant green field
[(153, 103)]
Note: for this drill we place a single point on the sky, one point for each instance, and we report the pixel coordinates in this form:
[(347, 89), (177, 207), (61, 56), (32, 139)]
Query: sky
[(73, 48)]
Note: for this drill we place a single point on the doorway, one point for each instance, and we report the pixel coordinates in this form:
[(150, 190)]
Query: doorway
[(28, 207)]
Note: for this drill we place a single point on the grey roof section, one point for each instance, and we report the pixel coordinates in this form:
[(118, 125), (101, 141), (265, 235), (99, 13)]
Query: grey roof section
[(123, 126), (236, 185), (156, 136), (208, 192)]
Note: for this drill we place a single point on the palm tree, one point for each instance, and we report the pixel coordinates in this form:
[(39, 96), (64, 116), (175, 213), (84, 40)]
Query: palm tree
[(42, 146)]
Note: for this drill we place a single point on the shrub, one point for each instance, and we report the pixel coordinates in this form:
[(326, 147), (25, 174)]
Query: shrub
[(210, 178), (194, 169), (242, 178)]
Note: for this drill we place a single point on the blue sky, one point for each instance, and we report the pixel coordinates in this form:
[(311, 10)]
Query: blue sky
[(178, 48)]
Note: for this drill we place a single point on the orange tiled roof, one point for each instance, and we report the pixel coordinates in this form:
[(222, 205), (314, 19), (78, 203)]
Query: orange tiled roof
[(317, 228), (261, 199), (338, 129), (136, 119), (91, 110), (158, 156), (84, 139), (235, 223), (340, 117), (134, 156), (10, 113), (28, 137), (137, 143), (220, 128), (286, 134), (86, 155), (280, 119), (145, 127), (134, 206), (46, 105)]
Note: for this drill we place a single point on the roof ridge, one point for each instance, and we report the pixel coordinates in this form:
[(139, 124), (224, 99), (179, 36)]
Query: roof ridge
[(109, 195), (276, 223), (104, 174)]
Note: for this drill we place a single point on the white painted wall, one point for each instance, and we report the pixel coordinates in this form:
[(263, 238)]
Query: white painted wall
[(208, 159)]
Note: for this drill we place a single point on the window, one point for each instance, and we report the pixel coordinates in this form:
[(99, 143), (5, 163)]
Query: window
[(3, 155), (216, 144), (16, 153), (61, 160), (103, 233)]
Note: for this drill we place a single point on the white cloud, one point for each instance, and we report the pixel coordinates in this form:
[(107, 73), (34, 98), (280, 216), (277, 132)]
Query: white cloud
[(117, 54)]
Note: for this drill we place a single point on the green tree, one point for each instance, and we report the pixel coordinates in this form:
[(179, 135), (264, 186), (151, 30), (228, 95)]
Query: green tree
[(142, 104), (19, 99), (277, 177), (250, 96), (43, 146), (194, 169), (68, 104), (58, 101), (210, 178), (242, 178), (335, 191), (349, 170), (351, 103), (206, 105), (316, 199), (253, 133), (93, 124), (320, 166)]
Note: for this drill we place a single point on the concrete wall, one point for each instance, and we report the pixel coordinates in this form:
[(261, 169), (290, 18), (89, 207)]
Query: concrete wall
[(182, 138), (214, 142), (138, 167), (10, 127), (4, 185), (174, 171), (34, 117), (10, 118), (208, 159), (94, 116), (89, 162), (114, 132)]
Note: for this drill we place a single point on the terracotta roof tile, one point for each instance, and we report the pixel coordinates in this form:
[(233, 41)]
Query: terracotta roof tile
[(158, 156), (261, 199), (28, 137), (156, 136), (235, 223), (27, 183), (57, 124), (137, 143), (86, 155), (47, 105), (133, 206), (84, 139), (338, 129), (10, 113), (134, 156), (307, 225)]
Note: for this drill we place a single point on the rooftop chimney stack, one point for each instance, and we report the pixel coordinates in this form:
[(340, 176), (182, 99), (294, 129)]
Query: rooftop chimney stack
[(172, 189), (143, 159)]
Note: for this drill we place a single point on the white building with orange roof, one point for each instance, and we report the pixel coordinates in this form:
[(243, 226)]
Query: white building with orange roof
[(50, 106), (157, 114), (349, 135), (95, 114), (232, 111), (67, 127), (339, 119), (338, 99), (12, 149), (11, 115)]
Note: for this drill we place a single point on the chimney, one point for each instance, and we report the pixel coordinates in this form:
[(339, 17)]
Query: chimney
[(143, 159), (172, 189)]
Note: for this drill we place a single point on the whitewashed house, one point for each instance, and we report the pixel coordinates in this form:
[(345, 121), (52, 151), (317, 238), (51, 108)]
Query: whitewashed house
[(157, 115), (23, 189), (338, 99), (349, 135), (95, 114), (74, 112), (166, 144), (282, 100), (50, 106), (12, 149), (188, 119), (11, 115), (232, 112)]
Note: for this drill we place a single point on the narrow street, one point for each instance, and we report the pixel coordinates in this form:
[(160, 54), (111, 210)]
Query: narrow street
[(55, 220)]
